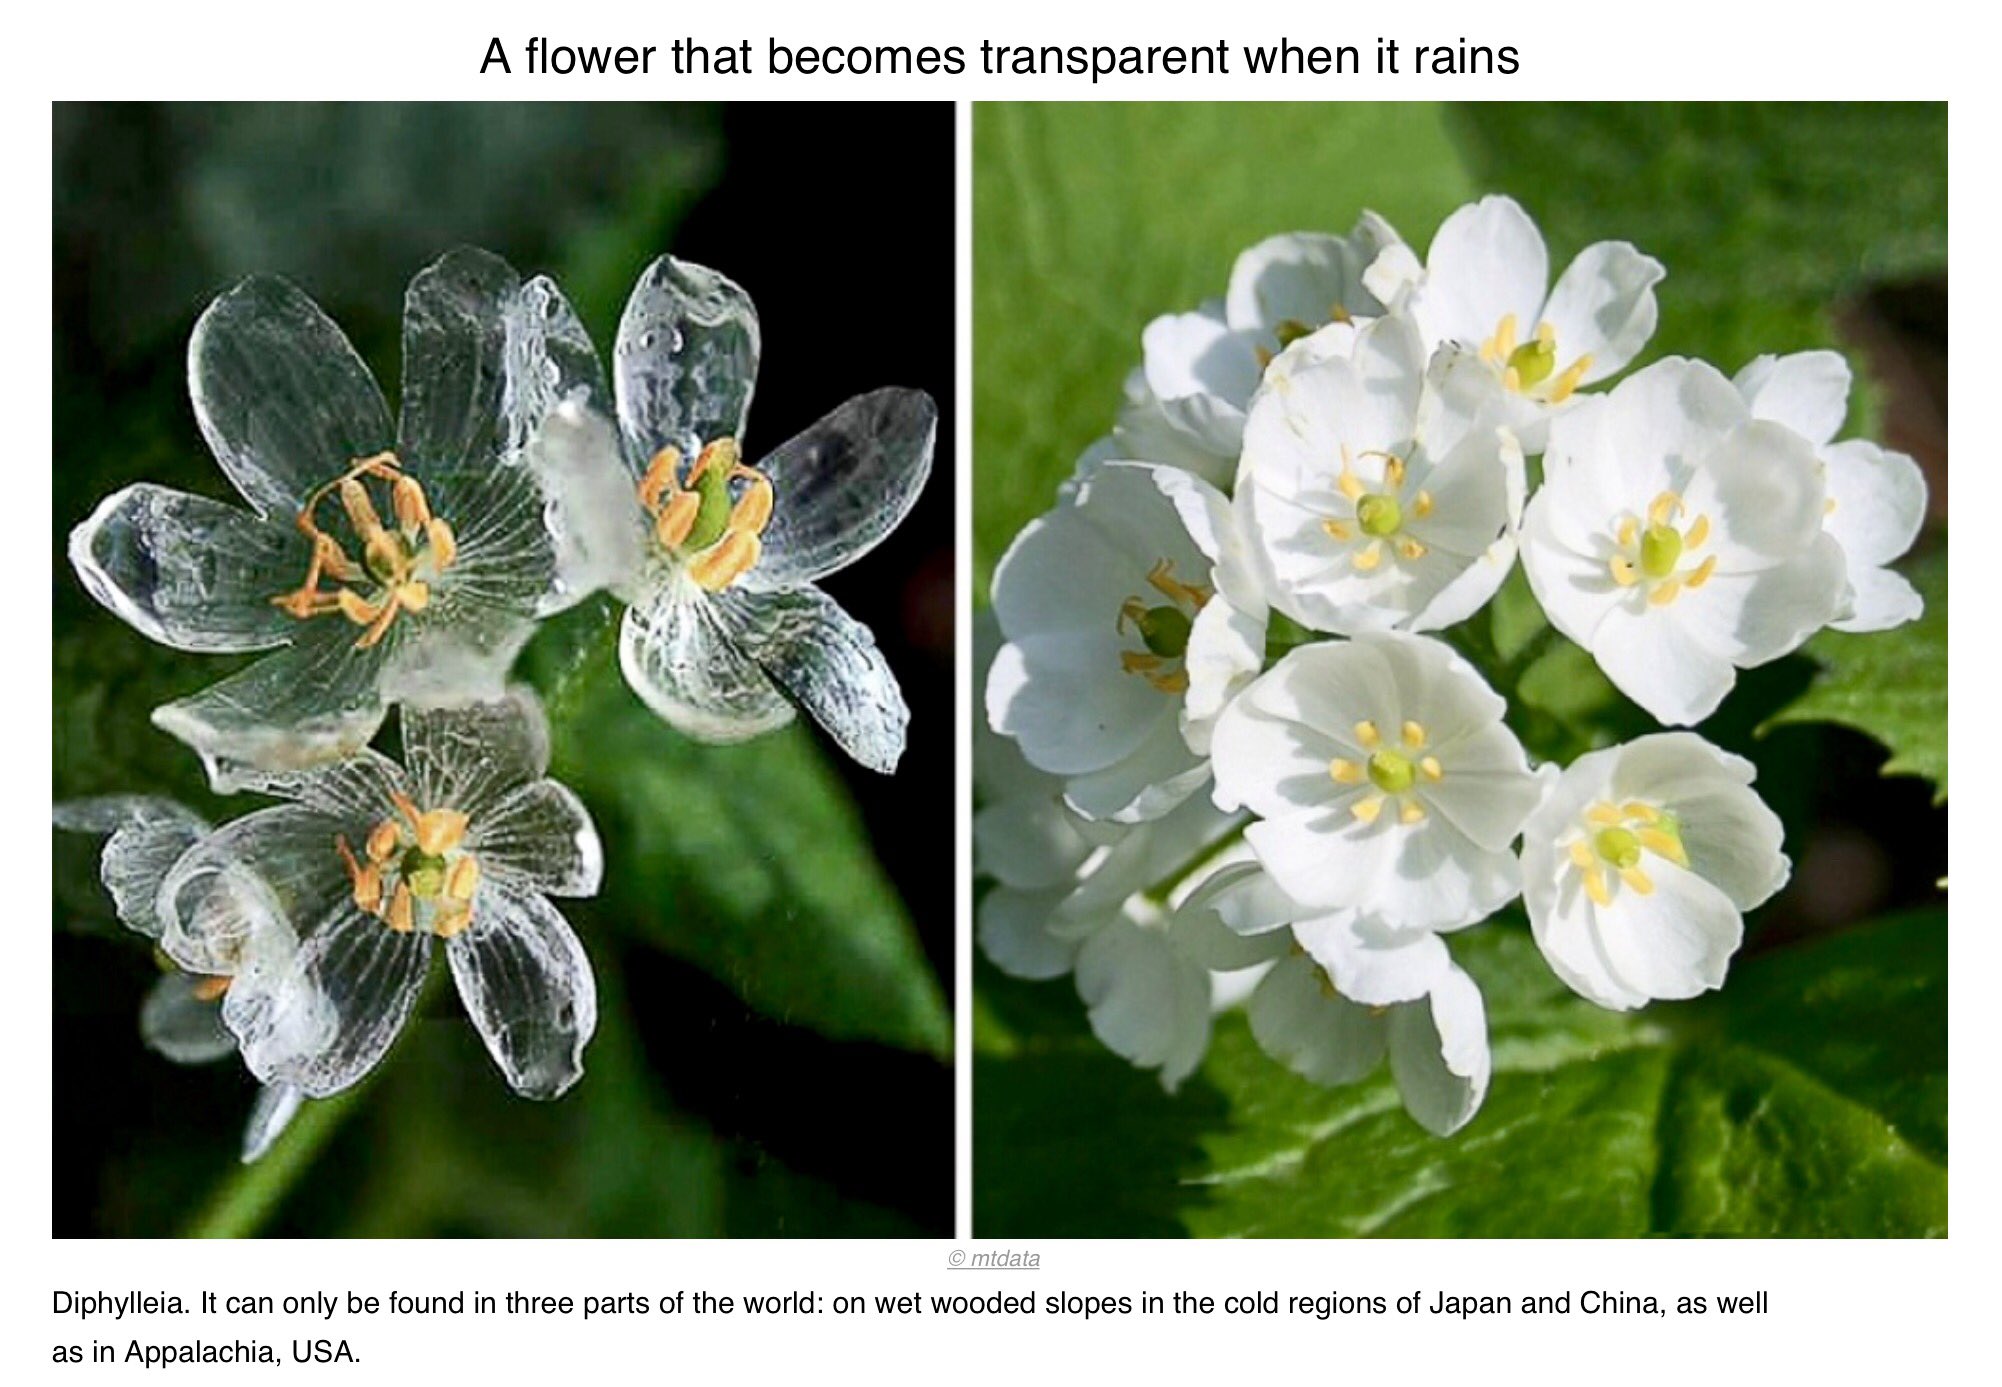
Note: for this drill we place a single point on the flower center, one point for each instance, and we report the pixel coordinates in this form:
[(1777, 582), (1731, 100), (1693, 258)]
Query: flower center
[(398, 563), (697, 520), (1394, 773), (1614, 840), (1163, 629), (1530, 368), (1376, 528), (1648, 556), (416, 873)]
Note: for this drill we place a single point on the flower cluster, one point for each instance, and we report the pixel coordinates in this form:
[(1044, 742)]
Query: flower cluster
[(1236, 763), (404, 564)]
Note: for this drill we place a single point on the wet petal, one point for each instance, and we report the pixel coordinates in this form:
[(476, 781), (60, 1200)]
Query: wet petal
[(322, 1021), (147, 835), (844, 484), (311, 702), (229, 903), (543, 835), (179, 1020), (187, 571), (686, 360), (680, 660), (473, 756), (828, 662), (455, 361), (285, 403), (270, 1115), (528, 988)]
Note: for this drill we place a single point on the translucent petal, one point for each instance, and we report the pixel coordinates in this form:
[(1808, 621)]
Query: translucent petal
[(309, 703), (474, 756), (187, 571), (354, 793), (682, 663), (280, 395), (270, 1115), (455, 359), (843, 484), (550, 360), (543, 835), (323, 1021), (686, 360), (527, 985), (506, 561), (147, 835), (828, 662), (230, 902), (185, 1027)]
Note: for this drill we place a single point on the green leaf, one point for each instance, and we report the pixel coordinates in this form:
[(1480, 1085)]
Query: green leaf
[(1094, 219), (1890, 685), (1807, 1098), (748, 861)]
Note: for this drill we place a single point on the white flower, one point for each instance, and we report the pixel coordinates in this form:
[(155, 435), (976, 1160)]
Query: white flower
[(1336, 997), (1387, 787), (389, 561), (1876, 498), (369, 862), (1073, 896), (1639, 864), (1485, 290), (1679, 539), (181, 1017), (1098, 600), (726, 629), (1372, 503), (1186, 405)]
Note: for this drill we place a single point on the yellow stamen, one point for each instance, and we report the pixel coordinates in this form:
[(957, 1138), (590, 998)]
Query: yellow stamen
[(1629, 532), (1636, 878), (1634, 809), (1581, 852), (1828, 508), (1366, 559), (407, 500), (1367, 737), (1138, 661), (1161, 577), (1663, 845), (361, 510), (1512, 381), (402, 914), (464, 879), (1346, 481), (210, 989), (729, 559), (1393, 472), (1664, 508), (1411, 548), (1697, 532), (451, 919), (662, 475), (1338, 529), (1623, 570), (1366, 810), (721, 454), (1504, 338), (1595, 885), (1345, 772), (1411, 813), (1566, 384), (1603, 814), (1421, 505), (1665, 592), (1413, 735), (753, 510), (1700, 575), (383, 841), (1432, 769), (1175, 683)]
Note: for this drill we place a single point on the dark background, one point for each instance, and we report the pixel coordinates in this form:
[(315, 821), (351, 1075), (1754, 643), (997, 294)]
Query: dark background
[(839, 221)]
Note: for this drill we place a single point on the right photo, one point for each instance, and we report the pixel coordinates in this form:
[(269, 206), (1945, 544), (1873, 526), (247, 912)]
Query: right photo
[(1460, 734)]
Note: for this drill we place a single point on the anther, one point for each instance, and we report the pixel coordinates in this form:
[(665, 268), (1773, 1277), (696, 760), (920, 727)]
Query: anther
[(463, 879), (675, 519), (1367, 737), (1412, 813), (1639, 880), (402, 913), (413, 513), (1421, 504), (1367, 558), (1338, 529), (383, 841), (1697, 533), (1345, 772), (1700, 575), (1413, 734), (1411, 548), (728, 560), (1432, 769), (1665, 592), (1366, 810), (662, 475), (1623, 570)]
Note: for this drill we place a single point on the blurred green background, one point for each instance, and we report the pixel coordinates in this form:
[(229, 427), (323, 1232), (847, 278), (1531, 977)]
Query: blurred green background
[(1809, 1096), (772, 1057)]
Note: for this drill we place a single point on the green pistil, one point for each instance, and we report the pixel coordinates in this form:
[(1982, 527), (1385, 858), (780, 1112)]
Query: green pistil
[(1533, 361), (1618, 846), (1661, 550), (1164, 630), (712, 515), (1391, 773), (1379, 514), (423, 874)]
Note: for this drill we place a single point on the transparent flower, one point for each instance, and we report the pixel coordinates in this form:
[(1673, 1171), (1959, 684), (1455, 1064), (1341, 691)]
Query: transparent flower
[(1373, 502), (1098, 600), (1639, 865), (381, 561), (1185, 406), (1387, 787), (181, 1017), (1876, 498), (1485, 291), (1679, 539), (1074, 896), (370, 862), (725, 629)]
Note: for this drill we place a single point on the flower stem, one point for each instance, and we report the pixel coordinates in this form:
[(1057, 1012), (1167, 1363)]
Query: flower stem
[(1206, 854), (243, 1203)]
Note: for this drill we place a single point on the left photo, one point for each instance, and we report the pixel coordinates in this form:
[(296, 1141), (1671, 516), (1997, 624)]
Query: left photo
[(503, 738)]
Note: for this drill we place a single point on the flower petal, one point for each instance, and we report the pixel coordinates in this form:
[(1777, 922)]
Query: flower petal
[(1750, 618), (542, 835), (596, 531), (1879, 600), (455, 363), (1370, 964), (686, 360), (1306, 277), (1806, 391), (1603, 307), (1762, 488), (843, 484), (829, 664), (285, 403), (1014, 934), (1674, 942), (1439, 1054), (1877, 501), (1656, 660), (1155, 777), (1029, 842), (1197, 355), (1486, 261), (180, 1021), (1319, 1035), (474, 756), (528, 986), (270, 1115), (146, 835), (228, 904), (189, 572), (680, 660), (312, 702), (1147, 1002), (325, 1019)]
